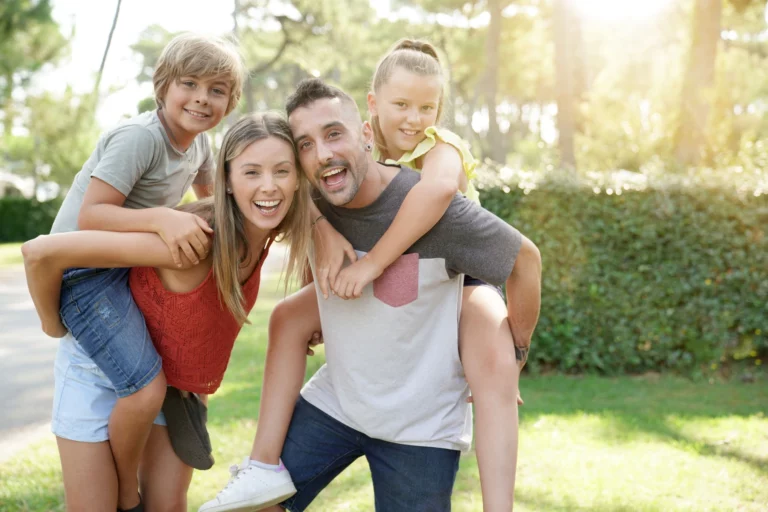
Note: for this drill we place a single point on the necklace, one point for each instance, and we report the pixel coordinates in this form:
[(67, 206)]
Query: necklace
[(168, 129)]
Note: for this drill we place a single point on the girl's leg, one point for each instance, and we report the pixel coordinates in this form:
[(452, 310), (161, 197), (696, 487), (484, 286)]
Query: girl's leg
[(90, 478), (163, 478), (129, 429), (291, 325), (488, 356)]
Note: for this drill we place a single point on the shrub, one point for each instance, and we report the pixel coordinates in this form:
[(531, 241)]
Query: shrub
[(23, 219), (671, 275)]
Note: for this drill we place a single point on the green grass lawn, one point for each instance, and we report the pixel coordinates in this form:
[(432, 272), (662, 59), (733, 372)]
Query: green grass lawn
[(10, 254), (653, 443)]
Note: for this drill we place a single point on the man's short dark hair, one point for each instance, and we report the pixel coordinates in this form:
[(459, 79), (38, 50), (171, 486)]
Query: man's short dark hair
[(311, 90)]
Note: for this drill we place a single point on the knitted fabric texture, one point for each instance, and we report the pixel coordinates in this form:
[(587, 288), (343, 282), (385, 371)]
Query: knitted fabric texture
[(193, 332)]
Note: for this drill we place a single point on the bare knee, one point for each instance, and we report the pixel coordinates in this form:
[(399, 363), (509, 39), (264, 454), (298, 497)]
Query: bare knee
[(149, 398), (296, 317), (486, 345)]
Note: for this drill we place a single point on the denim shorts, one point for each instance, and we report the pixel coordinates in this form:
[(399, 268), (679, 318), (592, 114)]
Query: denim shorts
[(318, 448), (83, 396), (473, 281), (98, 309)]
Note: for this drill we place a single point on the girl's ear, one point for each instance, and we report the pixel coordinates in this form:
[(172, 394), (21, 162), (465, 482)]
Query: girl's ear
[(372, 104)]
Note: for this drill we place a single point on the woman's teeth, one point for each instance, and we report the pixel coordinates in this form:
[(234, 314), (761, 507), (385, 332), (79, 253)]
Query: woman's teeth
[(267, 206)]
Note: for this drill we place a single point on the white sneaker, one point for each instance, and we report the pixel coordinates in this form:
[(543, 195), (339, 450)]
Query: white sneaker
[(252, 488)]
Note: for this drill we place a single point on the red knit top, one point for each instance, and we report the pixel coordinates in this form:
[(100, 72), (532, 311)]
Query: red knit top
[(193, 332)]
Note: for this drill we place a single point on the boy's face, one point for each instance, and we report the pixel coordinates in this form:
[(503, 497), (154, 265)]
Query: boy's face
[(194, 105)]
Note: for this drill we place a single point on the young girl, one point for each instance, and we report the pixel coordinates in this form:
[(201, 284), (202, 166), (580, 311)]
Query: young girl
[(137, 172), (405, 104), (259, 195)]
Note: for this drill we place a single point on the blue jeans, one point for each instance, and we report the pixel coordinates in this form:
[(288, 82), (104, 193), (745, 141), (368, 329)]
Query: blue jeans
[(412, 478), (98, 309)]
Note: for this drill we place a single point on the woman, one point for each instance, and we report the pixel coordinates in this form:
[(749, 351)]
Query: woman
[(194, 313)]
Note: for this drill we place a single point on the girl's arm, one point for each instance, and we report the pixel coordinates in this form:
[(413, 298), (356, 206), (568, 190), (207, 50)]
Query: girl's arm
[(425, 204), (46, 257), (524, 296), (330, 248)]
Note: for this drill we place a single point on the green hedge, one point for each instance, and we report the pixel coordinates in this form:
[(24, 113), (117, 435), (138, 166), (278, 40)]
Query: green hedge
[(673, 277), (23, 219)]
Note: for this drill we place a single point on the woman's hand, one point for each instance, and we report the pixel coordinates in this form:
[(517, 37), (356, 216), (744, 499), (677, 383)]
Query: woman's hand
[(330, 250)]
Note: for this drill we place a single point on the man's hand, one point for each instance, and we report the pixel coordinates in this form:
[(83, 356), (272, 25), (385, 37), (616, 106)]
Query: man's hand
[(352, 280), (330, 250), (315, 340), (182, 231)]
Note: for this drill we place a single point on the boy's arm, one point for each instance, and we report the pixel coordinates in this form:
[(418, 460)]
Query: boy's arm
[(524, 295), (422, 208), (183, 233), (46, 257)]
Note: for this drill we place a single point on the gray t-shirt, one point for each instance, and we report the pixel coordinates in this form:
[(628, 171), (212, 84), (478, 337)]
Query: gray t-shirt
[(137, 158), (392, 366)]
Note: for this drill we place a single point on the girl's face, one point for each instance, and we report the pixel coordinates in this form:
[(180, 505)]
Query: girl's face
[(263, 180), (407, 105)]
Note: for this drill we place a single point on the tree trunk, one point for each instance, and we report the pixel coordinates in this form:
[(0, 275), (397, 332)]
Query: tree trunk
[(497, 147), (9, 106), (248, 83), (698, 83), (106, 52), (567, 83)]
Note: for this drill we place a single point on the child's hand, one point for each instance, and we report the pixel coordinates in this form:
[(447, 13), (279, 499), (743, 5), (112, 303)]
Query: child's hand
[(182, 231), (352, 280), (330, 249), (315, 340)]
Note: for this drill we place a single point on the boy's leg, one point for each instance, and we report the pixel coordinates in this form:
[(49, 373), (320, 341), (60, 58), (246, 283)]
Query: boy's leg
[(99, 310), (488, 356), (413, 478), (317, 448), (292, 323), (164, 478)]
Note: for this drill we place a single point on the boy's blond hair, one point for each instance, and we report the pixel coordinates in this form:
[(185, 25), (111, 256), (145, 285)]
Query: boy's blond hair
[(199, 56)]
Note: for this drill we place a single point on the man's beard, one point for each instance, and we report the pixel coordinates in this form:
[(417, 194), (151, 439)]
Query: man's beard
[(354, 179)]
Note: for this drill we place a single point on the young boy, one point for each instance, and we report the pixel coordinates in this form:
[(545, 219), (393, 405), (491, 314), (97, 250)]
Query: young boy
[(109, 381)]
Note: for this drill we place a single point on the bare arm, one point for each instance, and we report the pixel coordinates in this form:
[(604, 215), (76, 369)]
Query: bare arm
[(422, 208), (46, 258), (182, 232), (203, 191), (330, 249), (524, 294)]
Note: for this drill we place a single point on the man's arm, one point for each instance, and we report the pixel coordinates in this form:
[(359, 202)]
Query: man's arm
[(524, 294)]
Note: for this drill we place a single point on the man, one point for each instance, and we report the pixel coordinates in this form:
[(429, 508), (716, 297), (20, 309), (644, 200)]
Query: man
[(393, 389)]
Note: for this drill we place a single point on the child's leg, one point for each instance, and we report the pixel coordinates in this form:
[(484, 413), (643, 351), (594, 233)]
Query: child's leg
[(98, 309), (488, 356), (163, 476), (292, 323)]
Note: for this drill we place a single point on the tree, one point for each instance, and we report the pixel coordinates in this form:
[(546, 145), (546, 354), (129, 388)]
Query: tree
[(29, 38), (698, 82)]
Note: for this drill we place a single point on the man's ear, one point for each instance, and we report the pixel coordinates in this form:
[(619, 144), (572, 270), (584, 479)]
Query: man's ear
[(372, 104), (367, 133)]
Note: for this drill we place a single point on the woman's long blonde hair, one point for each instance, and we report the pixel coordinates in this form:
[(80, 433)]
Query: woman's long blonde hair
[(230, 245)]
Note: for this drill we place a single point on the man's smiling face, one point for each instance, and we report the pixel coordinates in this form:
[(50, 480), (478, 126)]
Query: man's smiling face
[(328, 136)]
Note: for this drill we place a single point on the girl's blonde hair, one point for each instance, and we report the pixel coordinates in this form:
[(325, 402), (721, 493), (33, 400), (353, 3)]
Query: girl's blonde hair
[(199, 56), (413, 55), (230, 245)]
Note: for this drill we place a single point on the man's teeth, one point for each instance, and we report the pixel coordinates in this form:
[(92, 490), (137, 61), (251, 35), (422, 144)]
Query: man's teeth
[(332, 172), (267, 204)]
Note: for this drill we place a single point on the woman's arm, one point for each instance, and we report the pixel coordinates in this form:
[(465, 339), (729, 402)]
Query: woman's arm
[(422, 208), (46, 257)]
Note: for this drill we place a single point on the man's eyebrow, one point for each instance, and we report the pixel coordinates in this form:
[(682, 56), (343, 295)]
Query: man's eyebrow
[(332, 124)]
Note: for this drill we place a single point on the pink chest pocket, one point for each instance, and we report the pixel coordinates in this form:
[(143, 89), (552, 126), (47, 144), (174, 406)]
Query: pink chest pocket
[(399, 284)]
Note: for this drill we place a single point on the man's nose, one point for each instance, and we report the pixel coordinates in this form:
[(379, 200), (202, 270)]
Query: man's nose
[(324, 153)]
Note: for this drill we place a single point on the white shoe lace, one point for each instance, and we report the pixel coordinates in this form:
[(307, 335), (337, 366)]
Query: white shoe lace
[(235, 472)]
